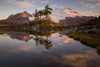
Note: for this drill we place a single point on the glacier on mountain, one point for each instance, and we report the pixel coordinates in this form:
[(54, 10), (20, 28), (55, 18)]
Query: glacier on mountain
[(61, 13)]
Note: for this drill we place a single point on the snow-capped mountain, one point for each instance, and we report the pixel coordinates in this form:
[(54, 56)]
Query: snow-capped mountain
[(61, 13), (57, 14)]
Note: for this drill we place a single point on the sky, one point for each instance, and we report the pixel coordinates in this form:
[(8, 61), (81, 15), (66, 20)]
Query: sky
[(84, 7)]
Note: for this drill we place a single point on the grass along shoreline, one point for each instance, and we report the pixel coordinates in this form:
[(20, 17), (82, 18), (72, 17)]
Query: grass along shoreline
[(90, 39)]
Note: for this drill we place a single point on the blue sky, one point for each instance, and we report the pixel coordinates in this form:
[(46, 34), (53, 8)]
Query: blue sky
[(85, 7)]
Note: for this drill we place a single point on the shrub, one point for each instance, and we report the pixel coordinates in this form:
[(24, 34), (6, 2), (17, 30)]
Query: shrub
[(98, 49), (88, 39), (91, 32), (85, 39)]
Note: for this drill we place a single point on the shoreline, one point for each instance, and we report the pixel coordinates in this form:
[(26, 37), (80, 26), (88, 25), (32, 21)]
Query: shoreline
[(91, 40)]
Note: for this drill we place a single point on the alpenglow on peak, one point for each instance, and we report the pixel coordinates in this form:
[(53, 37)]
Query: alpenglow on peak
[(61, 13)]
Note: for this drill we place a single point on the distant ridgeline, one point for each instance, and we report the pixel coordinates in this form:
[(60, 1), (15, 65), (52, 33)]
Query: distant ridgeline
[(69, 21), (64, 16), (91, 26)]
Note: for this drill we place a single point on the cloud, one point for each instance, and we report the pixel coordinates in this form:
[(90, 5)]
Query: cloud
[(40, 8), (88, 12), (24, 4), (0, 18), (10, 1), (91, 3), (94, 5), (44, 1), (93, 0), (53, 5)]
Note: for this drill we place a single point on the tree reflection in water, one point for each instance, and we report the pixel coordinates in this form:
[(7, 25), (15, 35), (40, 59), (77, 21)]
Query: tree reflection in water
[(40, 37), (40, 40)]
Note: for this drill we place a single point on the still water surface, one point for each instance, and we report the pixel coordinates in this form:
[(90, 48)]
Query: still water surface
[(46, 49)]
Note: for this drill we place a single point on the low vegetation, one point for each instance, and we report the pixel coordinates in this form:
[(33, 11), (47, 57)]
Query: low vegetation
[(89, 39), (41, 25), (98, 49), (1, 25)]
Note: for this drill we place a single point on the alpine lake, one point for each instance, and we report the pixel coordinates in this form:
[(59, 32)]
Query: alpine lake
[(44, 49)]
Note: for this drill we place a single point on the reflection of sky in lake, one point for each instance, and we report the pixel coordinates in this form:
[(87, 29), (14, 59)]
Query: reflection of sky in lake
[(16, 53)]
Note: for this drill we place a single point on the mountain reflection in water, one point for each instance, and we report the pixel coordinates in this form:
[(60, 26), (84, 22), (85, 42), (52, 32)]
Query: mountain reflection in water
[(41, 38), (44, 49)]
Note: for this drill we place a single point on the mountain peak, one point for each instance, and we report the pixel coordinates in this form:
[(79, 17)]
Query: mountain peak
[(63, 8), (61, 13), (25, 12), (17, 16)]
